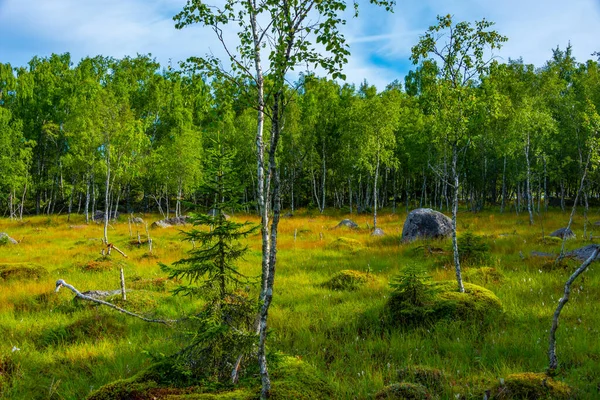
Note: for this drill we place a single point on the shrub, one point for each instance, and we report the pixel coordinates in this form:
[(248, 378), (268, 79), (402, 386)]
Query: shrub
[(472, 248), (348, 279), (412, 295)]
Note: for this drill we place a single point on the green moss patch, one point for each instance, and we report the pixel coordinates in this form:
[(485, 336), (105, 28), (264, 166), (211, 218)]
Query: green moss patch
[(345, 244), (155, 284), (291, 378), (484, 275), (91, 328), (348, 279), (22, 271), (529, 385), (101, 264), (432, 378), (549, 240), (444, 301), (404, 390)]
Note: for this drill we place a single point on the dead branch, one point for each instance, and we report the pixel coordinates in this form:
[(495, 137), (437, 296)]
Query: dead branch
[(60, 283)]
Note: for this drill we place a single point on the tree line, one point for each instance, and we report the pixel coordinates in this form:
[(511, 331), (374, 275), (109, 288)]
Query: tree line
[(130, 134)]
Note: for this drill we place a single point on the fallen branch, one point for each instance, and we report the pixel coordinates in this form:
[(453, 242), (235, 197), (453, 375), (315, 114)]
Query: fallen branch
[(60, 283)]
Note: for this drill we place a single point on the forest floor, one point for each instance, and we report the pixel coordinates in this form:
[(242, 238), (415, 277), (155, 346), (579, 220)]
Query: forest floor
[(54, 347)]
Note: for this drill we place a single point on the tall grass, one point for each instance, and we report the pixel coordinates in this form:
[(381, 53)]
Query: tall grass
[(54, 347)]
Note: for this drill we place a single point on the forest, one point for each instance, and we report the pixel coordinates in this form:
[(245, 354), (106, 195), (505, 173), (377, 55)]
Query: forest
[(526, 140), (247, 285)]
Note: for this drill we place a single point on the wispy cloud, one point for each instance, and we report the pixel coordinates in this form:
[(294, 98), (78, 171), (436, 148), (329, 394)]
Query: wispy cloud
[(380, 42)]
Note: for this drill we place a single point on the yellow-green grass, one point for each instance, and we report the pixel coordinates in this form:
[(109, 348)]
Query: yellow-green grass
[(340, 333)]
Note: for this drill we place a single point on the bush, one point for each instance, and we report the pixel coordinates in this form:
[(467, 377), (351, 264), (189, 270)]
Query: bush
[(412, 295), (348, 279), (473, 249)]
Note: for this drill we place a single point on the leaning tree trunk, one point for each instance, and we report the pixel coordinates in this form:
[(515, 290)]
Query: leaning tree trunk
[(461, 287), (552, 358)]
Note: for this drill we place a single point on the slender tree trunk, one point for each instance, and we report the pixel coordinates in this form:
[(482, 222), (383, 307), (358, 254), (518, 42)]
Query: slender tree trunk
[(375, 193), (457, 270), (324, 173), (546, 197), (87, 200), (106, 194), (23, 202), (350, 193), (528, 183)]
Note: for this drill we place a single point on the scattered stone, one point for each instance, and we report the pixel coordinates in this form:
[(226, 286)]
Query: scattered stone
[(137, 220), (425, 223), (562, 233), (169, 222), (583, 253), (597, 223), (99, 215), (347, 223), (377, 232), (5, 239), (288, 215)]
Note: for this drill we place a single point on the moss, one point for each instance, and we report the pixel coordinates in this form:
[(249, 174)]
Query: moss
[(344, 243), (348, 279), (91, 328), (432, 378), (291, 378), (156, 284), (8, 371), (529, 385), (403, 390), (484, 275), (445, 302), (22, 271), (550, 240)]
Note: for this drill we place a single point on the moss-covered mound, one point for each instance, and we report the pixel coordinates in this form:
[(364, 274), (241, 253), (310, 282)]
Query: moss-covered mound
[(348, 279), (432, 378), (550, 240), (156, 284), (101, 264), (442, 300), (291, 378), (484, 275), (92, 328), (531, 386), (343, 243), (404, 391), (22, 271)]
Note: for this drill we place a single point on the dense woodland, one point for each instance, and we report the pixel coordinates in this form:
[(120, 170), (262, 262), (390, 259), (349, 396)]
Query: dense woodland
[(63, 126)]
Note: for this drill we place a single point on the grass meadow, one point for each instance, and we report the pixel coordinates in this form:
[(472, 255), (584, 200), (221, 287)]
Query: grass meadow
[(53, 347)]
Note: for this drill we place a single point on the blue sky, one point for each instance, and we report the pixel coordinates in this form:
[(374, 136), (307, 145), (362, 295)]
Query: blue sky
[(380, 42)]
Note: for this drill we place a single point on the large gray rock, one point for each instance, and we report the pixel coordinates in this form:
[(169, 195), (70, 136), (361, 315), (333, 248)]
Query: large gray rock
[(583, 253), (347, 223), (425, 223), (5, 238), (378, 232), (562, 233)]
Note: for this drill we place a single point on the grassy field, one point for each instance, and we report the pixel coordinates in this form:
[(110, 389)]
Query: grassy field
[(55, 347)]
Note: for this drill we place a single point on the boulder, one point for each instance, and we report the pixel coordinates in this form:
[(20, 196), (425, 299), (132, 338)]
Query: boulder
[(377, 232), (168, 222), (425, 223), (583, 253), (99, 215), (562, 233), (347, 223), (4, 238)]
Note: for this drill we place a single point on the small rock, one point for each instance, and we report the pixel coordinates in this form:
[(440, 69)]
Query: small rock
[(562, 233), (377, 232), (137, 220), (347, 223), (5, 238), (168, 222)]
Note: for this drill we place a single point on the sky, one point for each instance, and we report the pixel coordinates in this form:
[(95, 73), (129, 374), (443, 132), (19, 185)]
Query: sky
[(380, 42)]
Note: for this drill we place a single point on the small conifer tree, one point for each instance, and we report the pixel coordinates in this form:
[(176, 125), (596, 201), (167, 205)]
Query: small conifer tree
[(222, 330)]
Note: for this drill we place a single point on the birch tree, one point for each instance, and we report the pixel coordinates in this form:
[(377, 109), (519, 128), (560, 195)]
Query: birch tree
[(460, 49)]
